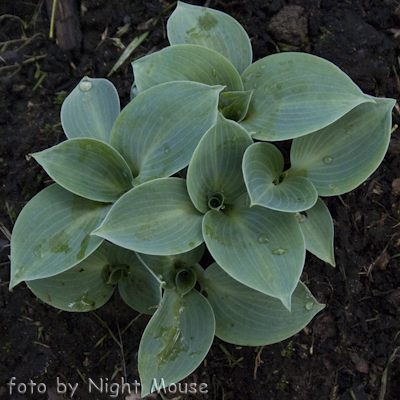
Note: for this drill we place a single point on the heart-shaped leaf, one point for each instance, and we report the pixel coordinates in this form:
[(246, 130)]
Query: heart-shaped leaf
[(341, 156), (164, 267), (52, 234), (295, 94), (90, 110), (87, 167), (81, 288), (317, 227), (215, 167), (261, 248), (262, 169), (210, 28), (186, 62), (156, 217), (158, 131), (176, 340), (246, 317), (136, 284)]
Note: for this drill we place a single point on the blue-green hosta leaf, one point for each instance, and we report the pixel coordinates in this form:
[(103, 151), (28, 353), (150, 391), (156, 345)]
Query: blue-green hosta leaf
[(186, 62), (341, 156), (81, 288), (136, 284), (317, 227), (234, 105), (158, 131), (87, 167), (156, 217), (164, 267), (246, 317), (262, 169), (213, 29), (176, 340), (216, 165), (261, 248), (90, 110), (52, 234), (295, 94)]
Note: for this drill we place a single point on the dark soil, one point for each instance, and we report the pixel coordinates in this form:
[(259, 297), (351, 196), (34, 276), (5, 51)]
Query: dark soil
[(345, 352)]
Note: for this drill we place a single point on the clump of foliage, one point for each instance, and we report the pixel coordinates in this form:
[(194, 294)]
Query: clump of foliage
[(120, 216), (60, 97)]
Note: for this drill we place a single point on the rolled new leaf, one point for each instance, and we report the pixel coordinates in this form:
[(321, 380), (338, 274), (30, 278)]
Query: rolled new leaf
[(156, 217), (185, 280), (164, 268), (261, 248), (90, 110), (215, 168), (213, 29), (52, 234), (158, 131), (176, 340), (246, 317), (136, 284), (267, 185), (234, 105), (317, 227), (296, 94), (87, 167), (81, 288), (186, 62), (343, 155)]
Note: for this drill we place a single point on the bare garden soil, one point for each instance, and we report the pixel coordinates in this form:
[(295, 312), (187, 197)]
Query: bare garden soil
[(347, 351)]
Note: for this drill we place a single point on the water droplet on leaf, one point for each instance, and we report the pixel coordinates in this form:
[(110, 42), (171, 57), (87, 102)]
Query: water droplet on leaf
[(279, 252), (38, 251), (258, 74), (209, 231), (262, 66), (327, 159), (309, 306), (167, 150), (234, 137), (247, 77), (301, 217), (263, 238), (88, 146), (85, 86), (214, 73)]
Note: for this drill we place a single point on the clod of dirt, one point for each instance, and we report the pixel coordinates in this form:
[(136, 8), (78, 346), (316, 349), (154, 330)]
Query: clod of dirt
[(359, 363), (396, 186), (394, 299), (289, 25), (383, 261)]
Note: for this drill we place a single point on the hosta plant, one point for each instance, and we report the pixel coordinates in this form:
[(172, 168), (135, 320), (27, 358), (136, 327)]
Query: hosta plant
[(187, 167)]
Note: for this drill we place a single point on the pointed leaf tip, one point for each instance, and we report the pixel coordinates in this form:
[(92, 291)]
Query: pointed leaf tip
[(90, 110), (213, 29), (166, 222), (295, 94), (261, 248), (176, 340), (52, 234), (87, 167), (247, 317), (177, 114)]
